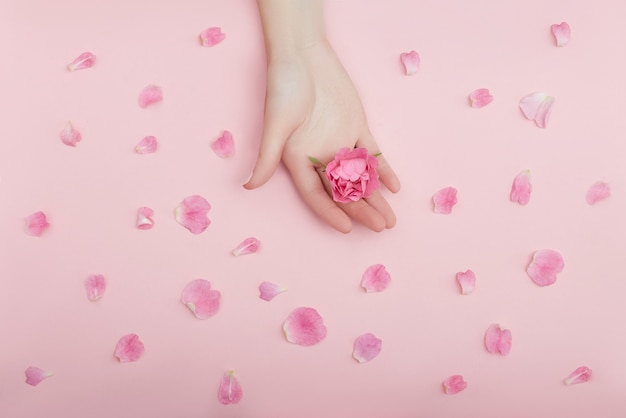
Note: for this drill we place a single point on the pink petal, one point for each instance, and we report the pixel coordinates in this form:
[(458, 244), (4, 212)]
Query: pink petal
[(561, 33), (597, 192), (467, 281), (537, 107), (36, 224), (70, 136), (454, 384), (129, 348), (34, 375), (144, 218), (269, 290), (580, 375), (84, 60), (230, 391), (304, 326), (192, 213), (498, 340), (148, 145), (248, 246), (444, 200), (480, 98), (150, 95), (521, 188), (201, 299), (212, 36), (95, 286), (375, 278), (224, 146), (366, 347), (411, 62), (544, 267)]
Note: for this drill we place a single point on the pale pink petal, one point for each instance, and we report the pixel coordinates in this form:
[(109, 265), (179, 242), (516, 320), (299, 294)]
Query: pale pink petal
[(597, 192), (480, 98), (269, 290), (230, 391), (498, 340), (454, 384), (84, 60), (375, 278), (192, 213), (580, 375), (224, 146), (366, 347), (36, 224), (544, 267), (70, 136), (147, 145), (304, 326), (212, 36), (203, 301), (95, 286), (444, 200), (150, 95), (537, 106), (129, 348), (144, 218), (34, 375), (248, 246), (521, 188), (411, 62), (467, 281), (561, 33)]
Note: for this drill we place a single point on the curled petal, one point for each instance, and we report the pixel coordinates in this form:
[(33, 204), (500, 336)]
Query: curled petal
[(498, 340), (84, 60), (144, 218), (34, 375), (375, 278), (129, 348), (36, 224), (561, 33), (480, 98), (147, 145), (150, 95), (212, 36), (537, 107), (269, 290), (248, 246), (366, 347), (304, 326), (192, 213), (580, 375), (597, 192), (70, 136), (444, 200), (224, 146), (411, 62), (454, 384), (544, 267), (230, 391), (95, 286), (521, 188), (467, 281), (203, 301)]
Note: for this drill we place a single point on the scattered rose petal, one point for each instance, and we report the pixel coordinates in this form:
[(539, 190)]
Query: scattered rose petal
[(230, 391), (444, 200), (192, 213), (537, 107), (148, 145), (84, 60), (304, 326), (36, 224), (521, 188), (70, 136), (203, 301), (248, 246), (269, 290), (454, 384), (544, 267), (597, 192), (498, 340), (411, 62), (480, 98), (224, 146), (144, 218), (375, 278), (580, 375), (467, 281), (34, 375), (129, 348), (212, 36), (561, 33), (366, 347), (150, 95), (95, 286)]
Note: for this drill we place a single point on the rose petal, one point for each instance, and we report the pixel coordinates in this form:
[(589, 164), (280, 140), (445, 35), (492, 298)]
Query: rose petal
[(144, 218), (537, 106), (70, 136), (34, 375), (304, 326), (150, 95), (148, 145), (212, 36), (411, 61), (192, 213), (580, 375), (129, 348), (597, 192), (467, 281), (201, 299), (375, 278), (84, 60), (561, 33), (36, 224), (248, 246), (544, 267), (230, 391), (269, 290), (224, 146), (480, 98), (498, 340), (366, 347), (444, 200), (454, 384), (521, 188), (95, 286)]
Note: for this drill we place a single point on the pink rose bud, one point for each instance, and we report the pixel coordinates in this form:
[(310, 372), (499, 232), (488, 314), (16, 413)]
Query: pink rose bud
[(352, 175)]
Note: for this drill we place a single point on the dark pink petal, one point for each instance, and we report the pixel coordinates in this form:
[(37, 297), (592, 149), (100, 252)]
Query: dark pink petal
[(192, 213), (561, 33), (144, 218), (480, 98), (201, 299), (269, 290), (521, 188), (366, 347), (84, 60), (304, 326), (411, 62), (597, 192), (36, 224), (70, 136), (34, 375), (95, 286), (230, 391), (150, 95), (375, 278), (248, 246), (212, 36), (454, 384), (224, 146), (498, 340), (444, 200), (148, 145), (544, 267), (467, 281), (580, 375), (537, 106), (129, 348)]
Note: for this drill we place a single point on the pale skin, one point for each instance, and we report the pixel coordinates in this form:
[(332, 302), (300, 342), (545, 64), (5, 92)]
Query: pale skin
[(313, 109)]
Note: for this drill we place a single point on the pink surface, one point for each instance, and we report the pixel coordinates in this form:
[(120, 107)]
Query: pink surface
[(427, 131)]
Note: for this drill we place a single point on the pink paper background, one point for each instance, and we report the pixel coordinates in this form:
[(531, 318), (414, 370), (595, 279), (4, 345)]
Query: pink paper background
[(429, 134)]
